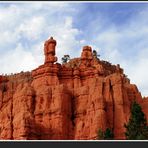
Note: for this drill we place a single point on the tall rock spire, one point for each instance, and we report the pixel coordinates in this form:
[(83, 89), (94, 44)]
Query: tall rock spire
[(49, 51)]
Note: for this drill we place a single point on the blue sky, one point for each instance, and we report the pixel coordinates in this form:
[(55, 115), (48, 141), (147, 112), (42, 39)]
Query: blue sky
[(118, 31)]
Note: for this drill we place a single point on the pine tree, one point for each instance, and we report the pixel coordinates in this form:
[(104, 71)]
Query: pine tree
[(108, 135), (105, 135), (100, 134), (137, 128)]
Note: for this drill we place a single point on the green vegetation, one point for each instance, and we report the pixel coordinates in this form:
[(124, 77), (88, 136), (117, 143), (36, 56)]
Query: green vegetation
[(105, 135), (136, 128)]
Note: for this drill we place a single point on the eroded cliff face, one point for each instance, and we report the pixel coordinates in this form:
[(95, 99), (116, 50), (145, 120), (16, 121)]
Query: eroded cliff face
[(68, 101)]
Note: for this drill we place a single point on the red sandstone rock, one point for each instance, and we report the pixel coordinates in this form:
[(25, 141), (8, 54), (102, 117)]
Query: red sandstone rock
[(49, 51), (70, 101)]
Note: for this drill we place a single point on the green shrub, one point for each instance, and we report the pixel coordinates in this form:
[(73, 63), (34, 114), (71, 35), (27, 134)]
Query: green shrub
[(105, 135)]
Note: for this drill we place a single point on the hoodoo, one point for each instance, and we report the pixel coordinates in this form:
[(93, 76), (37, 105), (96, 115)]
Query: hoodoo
[(49, 51), (67, 101)]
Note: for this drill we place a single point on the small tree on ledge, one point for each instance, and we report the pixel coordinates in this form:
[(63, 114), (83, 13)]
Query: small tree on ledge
[(65, 59), (95, 54), (137, 128)]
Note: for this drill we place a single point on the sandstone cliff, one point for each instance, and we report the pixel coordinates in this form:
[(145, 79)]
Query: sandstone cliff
[(66, 101)]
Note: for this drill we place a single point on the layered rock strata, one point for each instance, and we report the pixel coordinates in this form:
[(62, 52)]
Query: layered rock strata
[(68, 101)]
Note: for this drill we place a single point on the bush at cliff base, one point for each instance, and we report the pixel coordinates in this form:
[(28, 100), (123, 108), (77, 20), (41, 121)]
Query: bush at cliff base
[(106, 135)]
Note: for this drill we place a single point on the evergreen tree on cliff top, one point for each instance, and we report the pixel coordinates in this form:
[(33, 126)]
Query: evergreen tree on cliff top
[(137, 128)]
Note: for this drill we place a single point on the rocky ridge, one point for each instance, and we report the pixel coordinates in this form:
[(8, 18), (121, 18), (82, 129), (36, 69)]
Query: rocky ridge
[(66, 101)]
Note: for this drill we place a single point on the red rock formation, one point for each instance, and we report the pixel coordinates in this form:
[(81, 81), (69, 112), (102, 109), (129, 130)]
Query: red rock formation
[(69, 101), (49, 51)]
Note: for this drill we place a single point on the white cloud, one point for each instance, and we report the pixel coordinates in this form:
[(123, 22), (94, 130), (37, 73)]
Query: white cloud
[(137, 71), (127, 46), (17, 60), (8, 37), (24, 29), (32, 28)]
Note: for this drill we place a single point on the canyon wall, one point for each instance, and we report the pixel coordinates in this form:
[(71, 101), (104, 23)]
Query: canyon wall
[(66, 101)]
